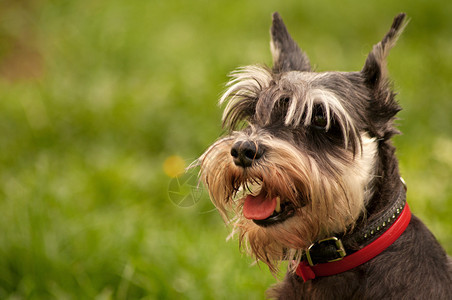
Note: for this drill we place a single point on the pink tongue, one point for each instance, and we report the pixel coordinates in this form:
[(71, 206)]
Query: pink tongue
[(258, 207)]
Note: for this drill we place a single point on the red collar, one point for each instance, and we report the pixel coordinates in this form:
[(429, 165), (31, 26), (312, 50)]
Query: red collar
[(308, 272)]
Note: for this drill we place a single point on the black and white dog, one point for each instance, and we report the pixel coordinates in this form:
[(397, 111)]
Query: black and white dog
[(308, 174)]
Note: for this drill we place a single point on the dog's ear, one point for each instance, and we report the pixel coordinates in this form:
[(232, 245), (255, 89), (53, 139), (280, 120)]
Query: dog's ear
[(375, 70), (384, 107), (287, 56)]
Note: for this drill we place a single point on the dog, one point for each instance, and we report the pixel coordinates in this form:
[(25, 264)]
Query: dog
[(307, 173)]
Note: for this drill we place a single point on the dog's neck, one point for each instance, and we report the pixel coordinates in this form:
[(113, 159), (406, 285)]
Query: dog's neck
[(308, 269), (386, 181), (364, 232), (382, 210), (343, 252), (389, 193), (368, 229)]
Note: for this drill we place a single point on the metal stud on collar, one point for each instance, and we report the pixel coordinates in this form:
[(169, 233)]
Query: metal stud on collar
[(390, 220)]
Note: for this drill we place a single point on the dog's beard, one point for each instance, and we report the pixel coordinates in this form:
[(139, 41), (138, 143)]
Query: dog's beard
[(325, 197)]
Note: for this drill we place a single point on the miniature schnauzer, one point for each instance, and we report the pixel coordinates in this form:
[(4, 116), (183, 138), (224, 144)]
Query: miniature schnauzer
[(308, 174)]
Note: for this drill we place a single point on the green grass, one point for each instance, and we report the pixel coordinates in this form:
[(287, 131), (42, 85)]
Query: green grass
[(95, 95)]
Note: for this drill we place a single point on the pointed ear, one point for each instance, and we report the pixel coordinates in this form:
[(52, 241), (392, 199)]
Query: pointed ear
[(375, 71), (287, 56)]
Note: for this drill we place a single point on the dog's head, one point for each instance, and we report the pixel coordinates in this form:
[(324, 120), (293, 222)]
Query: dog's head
[(299, 161)]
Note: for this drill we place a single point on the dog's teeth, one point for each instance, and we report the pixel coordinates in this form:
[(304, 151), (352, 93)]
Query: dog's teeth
[(255, 189), (278, 204)]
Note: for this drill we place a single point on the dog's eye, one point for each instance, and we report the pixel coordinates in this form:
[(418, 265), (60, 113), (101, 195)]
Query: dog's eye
[(319, 120)]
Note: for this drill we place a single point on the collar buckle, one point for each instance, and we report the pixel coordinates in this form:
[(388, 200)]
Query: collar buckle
[(333, 248)]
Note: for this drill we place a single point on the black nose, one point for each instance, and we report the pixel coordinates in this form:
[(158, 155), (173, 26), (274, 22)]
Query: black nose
[(245, 153)]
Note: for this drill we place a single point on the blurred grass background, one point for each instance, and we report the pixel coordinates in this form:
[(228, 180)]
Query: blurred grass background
[(96, 95)]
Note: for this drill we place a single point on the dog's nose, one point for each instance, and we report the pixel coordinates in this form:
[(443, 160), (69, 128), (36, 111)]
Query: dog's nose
[(245, 153)]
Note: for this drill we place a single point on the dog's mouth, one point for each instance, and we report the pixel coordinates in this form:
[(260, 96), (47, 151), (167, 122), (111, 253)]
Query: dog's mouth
[(266, 211)]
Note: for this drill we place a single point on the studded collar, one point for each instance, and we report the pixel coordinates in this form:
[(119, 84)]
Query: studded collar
[(329, 257)]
